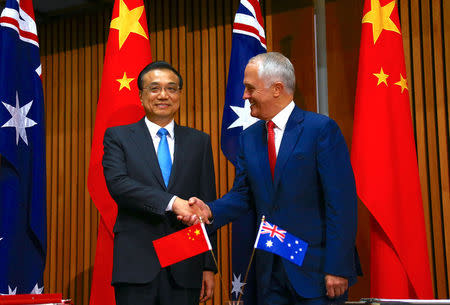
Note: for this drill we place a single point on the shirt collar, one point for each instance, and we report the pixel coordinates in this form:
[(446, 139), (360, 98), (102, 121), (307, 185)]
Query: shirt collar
[(282, 117), (153, 128)]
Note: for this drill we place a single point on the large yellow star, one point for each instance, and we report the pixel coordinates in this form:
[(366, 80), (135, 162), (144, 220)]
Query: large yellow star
[(380, 17), (128, 22), (124, 81), (381, 77), (402, 83)]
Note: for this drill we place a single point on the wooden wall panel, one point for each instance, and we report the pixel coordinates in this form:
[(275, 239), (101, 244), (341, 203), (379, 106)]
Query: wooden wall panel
[(195, 36), (426, 36), (72, 56)]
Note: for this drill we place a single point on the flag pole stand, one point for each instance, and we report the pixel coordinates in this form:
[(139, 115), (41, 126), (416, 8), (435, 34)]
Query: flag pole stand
[(215, 261), (248, 267)]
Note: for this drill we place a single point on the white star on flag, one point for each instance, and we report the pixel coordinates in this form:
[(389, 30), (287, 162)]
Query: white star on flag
[(19, 119), (269, 243), (10, 291), (244, 119), (37, 290), (237, 285)]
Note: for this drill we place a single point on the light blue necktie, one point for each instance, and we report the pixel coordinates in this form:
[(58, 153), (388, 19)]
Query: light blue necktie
[(164, 159)]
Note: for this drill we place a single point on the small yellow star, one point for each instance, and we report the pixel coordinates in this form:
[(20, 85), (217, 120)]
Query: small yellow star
[(381, 77), (402, 83), (124, 81), (197, 232), (128, 22), (380, 17)]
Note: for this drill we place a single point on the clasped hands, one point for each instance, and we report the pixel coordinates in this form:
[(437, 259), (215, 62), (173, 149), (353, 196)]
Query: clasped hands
[(191, 211)]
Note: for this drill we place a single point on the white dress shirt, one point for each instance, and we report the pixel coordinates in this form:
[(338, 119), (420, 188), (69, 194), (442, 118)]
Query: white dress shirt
[(280, 121), (153, 129)]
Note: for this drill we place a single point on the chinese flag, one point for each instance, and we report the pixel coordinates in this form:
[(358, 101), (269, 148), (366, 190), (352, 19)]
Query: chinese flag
[(182, 245), (127, 53), (384, 159)]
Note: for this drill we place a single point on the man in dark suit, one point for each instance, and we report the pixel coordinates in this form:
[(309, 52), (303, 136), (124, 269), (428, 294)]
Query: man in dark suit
[(293, 167), (148, 169)]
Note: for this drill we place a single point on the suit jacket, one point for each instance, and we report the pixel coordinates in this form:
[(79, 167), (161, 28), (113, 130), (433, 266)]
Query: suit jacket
[(135, 182), (312, 196)]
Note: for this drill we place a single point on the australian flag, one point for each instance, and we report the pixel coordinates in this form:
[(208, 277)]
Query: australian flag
[(272, 238), (248, 40), (23, 237)]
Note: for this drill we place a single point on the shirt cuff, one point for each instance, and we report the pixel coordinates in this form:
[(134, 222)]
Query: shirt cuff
[(169, 206)]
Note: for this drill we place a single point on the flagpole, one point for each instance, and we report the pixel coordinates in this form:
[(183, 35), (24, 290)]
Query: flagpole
[(249, 265), (320, 40), (215, 260)]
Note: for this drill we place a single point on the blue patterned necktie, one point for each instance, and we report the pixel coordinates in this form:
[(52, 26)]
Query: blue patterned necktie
[(164, 159)]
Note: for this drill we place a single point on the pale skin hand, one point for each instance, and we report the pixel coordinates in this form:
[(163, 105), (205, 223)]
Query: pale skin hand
[(207, 286), (335, 285), (185, 210), (202, 210)]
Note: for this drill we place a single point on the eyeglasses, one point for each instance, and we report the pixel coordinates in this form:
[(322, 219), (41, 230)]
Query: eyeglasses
[(154, 89)]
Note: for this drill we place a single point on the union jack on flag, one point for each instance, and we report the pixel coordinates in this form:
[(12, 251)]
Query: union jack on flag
[(285, 245), (248, 41), (273, 230)]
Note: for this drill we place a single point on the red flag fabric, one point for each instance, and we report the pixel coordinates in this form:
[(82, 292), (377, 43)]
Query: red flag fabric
[(182, 245), (20, 299), (384, 159), (127, 53)]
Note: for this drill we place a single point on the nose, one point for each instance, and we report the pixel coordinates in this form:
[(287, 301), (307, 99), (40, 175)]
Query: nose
[(163, 94), (246, 95)]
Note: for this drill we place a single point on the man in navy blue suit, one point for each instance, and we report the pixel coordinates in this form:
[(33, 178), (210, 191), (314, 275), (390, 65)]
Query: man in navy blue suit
[(293, 167)]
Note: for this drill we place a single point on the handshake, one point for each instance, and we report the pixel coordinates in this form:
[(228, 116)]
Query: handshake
[(192, 211)]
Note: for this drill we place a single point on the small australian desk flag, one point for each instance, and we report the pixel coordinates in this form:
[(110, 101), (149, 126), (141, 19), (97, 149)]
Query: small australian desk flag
[(272, 238), (23, 237)]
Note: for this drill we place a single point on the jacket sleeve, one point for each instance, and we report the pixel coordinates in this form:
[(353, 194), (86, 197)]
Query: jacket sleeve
[(127, 192), (339, 189), (237, 201)]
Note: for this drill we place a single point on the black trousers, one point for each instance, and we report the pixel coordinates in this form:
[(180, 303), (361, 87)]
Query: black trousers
[(161, 291), (281, 291)]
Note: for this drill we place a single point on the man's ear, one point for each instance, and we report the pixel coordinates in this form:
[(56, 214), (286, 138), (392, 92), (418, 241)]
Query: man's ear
[(140, 96), (277, 89)]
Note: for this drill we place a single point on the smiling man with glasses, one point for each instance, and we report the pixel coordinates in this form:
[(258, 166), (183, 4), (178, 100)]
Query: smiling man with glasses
[(150, 168)]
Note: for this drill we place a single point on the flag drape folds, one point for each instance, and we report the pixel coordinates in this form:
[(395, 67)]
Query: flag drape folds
[(127, 53), (384, 159), (23, 228)]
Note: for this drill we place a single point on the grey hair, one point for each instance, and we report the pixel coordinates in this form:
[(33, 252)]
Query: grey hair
[(275, 67)]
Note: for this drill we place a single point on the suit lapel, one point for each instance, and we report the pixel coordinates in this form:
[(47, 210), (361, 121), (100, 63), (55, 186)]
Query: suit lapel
[(141, 136), (263, 155), (290, 137)]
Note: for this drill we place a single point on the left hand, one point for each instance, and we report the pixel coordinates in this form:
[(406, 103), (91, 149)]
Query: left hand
[(200, 210), (207, 286), (335, 285)]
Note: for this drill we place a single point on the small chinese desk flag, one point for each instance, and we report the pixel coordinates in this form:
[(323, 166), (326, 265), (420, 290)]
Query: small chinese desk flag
[(182, 245), (272, 238)]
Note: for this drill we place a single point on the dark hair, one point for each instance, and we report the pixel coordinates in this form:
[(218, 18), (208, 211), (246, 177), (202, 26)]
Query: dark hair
[(158, 65)]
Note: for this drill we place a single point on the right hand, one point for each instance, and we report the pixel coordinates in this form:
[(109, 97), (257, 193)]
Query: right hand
[(199, 211)]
